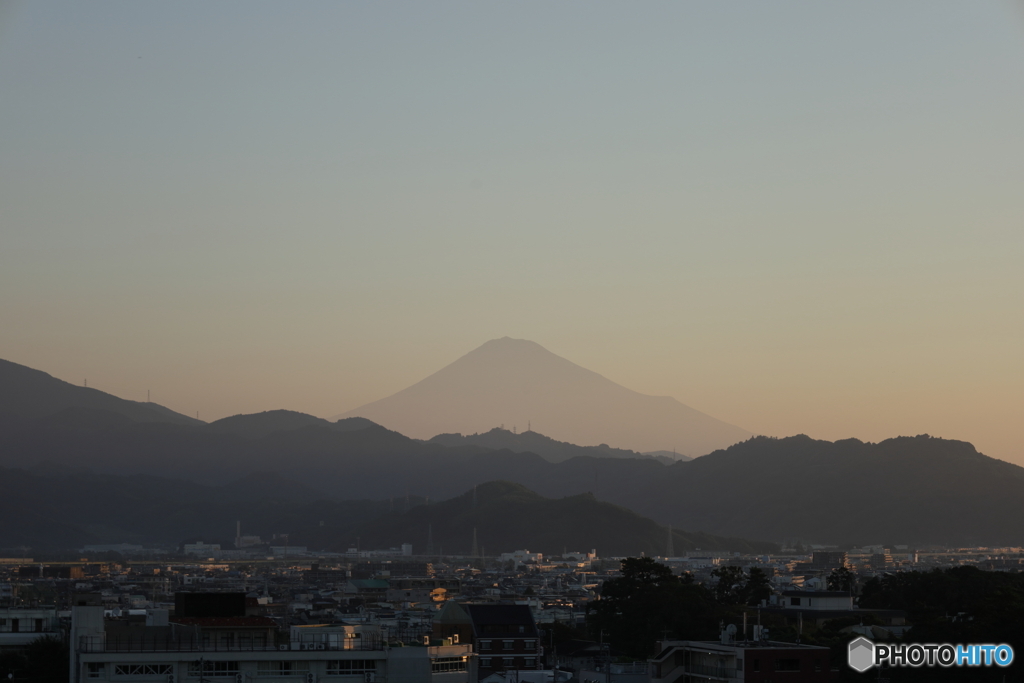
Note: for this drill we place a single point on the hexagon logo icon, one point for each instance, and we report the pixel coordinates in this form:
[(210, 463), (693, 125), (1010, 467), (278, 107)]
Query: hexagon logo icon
[(861, 654)]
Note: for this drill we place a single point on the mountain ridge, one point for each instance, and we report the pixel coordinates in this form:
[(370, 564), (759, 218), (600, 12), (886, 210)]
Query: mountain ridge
[(508, 380), (29, 392), (550, 449)]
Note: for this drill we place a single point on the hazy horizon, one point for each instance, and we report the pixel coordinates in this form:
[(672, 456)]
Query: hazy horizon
[(796, 218)]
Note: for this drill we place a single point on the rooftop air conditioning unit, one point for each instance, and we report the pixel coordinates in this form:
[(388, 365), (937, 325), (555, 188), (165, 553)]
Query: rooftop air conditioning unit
[(282, 647), (321, 646), (370, 677)]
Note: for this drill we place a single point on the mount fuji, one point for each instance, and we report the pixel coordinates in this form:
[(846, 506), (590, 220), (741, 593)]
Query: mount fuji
[(518, 382)]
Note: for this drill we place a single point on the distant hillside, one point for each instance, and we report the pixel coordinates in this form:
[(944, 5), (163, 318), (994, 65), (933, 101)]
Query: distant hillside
[(544, 446), (82, 508), (85, 508), (914, 490), (509, 516), (32, 393), (258, 425), (917, 490), (668, 456), (515, 381)]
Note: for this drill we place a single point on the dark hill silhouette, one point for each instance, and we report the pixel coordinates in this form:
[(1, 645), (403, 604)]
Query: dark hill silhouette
[(667, 456), (83, 508), (258, 425), (544, 446), (915, 490), (508, 381), (509, 516), (902, 490), (33, 393)]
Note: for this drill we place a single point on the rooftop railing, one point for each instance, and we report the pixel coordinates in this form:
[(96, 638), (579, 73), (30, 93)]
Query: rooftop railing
[(143, 643)]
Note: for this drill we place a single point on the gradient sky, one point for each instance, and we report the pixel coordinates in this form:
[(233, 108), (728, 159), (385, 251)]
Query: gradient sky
[(799, 217)]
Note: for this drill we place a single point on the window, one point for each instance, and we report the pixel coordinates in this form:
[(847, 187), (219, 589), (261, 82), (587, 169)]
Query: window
[(508, 644), (531, 645), (522, 629), (794, 602), (787, 664), (530, 663), (757, 665), (346, 667), (485, 662), (212, 669), (444, 665), (138, 670), (485, 645), (282, 668), (95, 670), (508, 662)]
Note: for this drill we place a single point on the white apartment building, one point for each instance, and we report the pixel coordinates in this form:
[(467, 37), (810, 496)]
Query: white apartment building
[(248, 650)]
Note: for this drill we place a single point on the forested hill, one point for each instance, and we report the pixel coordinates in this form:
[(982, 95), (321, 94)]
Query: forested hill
[(507, 516)]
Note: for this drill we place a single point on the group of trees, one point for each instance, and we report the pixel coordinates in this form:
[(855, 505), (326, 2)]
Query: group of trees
[(44, 660), (961, 605), (648, 602), (734, 587)]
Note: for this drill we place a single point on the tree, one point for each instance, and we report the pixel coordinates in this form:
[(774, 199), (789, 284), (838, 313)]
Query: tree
[(646, 571), (841, 579), (758, 586), (646, 601), (47, 660), (729, 588)]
